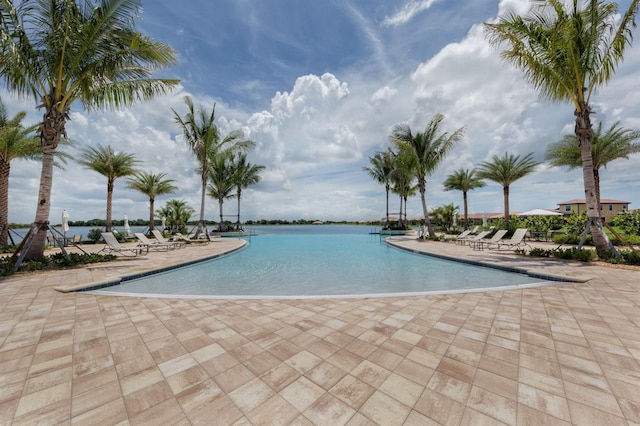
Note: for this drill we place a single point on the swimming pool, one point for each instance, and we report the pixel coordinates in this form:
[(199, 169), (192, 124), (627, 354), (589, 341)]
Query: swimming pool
[(320, 262)]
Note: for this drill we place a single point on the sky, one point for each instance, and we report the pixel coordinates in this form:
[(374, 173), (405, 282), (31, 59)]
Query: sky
[(319, 87)]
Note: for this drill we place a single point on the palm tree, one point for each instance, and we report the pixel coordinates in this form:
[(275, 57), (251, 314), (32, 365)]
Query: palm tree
[(463, 180), (203, 137), (221, 185), (152, 185), (16, 142), (568, 50), (611, 145), (244, 174), (380, 171), (110, 164), (429, 149), (506, 170), (402, 178), (63, 52), (177, 214)]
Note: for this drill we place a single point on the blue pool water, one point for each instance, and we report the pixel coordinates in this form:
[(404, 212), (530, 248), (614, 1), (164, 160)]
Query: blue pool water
[(320, 260)]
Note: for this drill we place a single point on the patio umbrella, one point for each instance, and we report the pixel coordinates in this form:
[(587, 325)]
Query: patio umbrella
[(127, 228), (539, 212), (484, 220), (65, 224), (164, 223)]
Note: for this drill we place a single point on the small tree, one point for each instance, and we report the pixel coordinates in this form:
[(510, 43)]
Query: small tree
[(506, 170), (152, 185), (110, 164), (463, 180)]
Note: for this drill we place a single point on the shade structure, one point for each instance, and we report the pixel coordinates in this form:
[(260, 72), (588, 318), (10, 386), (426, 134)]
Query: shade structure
[(164, 223), (127, 228), (539, 212), (65, 223)]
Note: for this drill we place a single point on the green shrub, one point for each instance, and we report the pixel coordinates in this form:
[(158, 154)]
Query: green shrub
[(540, 252), (631, 257), (584, 255), (95, 235)]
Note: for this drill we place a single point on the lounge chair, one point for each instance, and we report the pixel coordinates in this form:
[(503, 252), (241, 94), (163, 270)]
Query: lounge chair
[(192, 240), (517, 240), (163, 240), (77, 239), (155, 245), (462, 236), (479, 245), (113, 246), (470, 240), (466, 235)]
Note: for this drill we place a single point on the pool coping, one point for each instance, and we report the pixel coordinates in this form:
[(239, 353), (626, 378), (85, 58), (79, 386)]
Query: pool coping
[(529, 272), (110, 282)]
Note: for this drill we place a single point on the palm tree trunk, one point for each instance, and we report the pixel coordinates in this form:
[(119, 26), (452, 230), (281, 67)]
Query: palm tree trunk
[(466, 211), (505, 194), (238, 221), (387, 223), (109, 199), (200, 228), (151, 216), (596, 179), (427, 219), (36, 249), (221, 228), (400, 214), (4, 203), (584, 133)]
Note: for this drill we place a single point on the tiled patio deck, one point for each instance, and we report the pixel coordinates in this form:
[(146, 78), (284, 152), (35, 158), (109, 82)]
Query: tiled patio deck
[(560, 354)]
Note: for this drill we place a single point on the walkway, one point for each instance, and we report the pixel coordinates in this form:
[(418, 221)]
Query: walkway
[(560, 354)]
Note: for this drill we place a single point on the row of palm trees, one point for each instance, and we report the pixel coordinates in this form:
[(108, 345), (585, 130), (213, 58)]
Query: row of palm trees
[(388, 168)]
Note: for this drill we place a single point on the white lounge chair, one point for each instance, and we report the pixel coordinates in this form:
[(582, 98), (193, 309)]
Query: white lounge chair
[(517, 240), (479, 245), (162, 239), (155, 245), (113, 246), (470, 240), (190, 240)]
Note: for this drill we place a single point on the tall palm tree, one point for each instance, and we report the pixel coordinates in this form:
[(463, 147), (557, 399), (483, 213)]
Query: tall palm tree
[(380, 170), (463, 180), (16, 142), (616, 142), (568, 50), (505, 170), (177, 214), (429, 149), (110, 164), (221, 185), (87, 52), (152, 185), (244, 174), (203, 138)]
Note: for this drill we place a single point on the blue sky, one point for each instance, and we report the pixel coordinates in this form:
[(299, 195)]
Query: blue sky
[(319, 86)]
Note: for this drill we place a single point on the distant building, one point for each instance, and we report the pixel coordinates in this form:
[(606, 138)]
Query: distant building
[(608, 208)]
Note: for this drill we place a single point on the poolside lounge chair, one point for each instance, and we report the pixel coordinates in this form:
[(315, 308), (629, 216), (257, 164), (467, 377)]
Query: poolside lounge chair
[(162, 239), (479, 245), (516, 241), (190, 240), (470, 240), (462, 236), (155, 245), (113, 246)]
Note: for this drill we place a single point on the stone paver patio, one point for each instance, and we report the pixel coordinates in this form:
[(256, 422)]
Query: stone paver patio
[(559, 354)]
